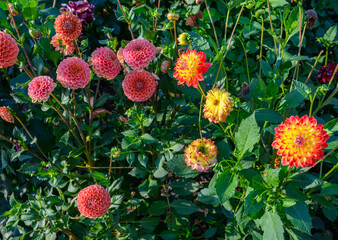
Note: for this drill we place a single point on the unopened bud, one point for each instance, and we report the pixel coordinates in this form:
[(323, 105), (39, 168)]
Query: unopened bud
[(173, 17), (12, 10), (165, 66)]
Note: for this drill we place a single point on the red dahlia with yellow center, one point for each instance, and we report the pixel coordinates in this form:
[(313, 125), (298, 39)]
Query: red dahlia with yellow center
[(300, 141)]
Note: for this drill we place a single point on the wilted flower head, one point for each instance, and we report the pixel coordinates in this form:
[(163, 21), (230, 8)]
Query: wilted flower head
[(82, 9), (73, 73), (40, 88), (184, 39), (93, 201), (68, 26), (105, 63), (300, 141), (190, 67), (192, 21), (201, 154), (165, 66), (8, 50), (138, 53), (6, 115), (218, 105), (139, 85), (324, 74), (66, 47), (311, 17)]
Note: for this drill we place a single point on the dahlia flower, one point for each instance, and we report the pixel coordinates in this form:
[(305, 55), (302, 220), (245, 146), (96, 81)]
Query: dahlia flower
[(66, 47), (218, 105), (201, 154), (138, 53), (93, 201), (105, 63), (184, 39), (190, 67), (8, 50), (40, 88), (73, 73), (82, 9), (68, 26), (165, 66), (300, 141), (324, 74), (192, 21), (139, 85), (6, 115)]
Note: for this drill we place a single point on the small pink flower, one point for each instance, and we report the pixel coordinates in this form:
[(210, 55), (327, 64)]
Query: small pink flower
[(138, 53), (66, 47), (8, 50), (139, 85), (192, 21), (105, 63), (73, 73), (40, 88), (6, 115)]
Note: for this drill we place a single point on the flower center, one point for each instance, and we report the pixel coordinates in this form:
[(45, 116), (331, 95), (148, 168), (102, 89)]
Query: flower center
[(139, 84), (202, 149), (68, 25), (299, 140), (216, 102)]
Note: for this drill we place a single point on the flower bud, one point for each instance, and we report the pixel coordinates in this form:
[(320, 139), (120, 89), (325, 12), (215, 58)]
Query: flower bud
[(311, 18), (184, 39), (116, 152), (173, 17), (165, 66), (158, 50), (35, 33), (12, 10), (260, 14), (250, 4), (199, 2)]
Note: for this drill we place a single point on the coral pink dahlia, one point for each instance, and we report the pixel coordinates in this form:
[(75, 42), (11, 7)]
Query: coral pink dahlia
[(6, 115), (300, 141), (40, 88), (139, 85), (201, 154), (8, 50), (66, 47), (138, 53), (93, 201), (68, 26), (105, 63), (73, 73)]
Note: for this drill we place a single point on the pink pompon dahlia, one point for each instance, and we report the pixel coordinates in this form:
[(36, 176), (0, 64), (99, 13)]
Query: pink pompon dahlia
[(40, 88), (119, 56), (325, 73), (138, 53), (73, 73), (6, 115), (8, 50), (300, 141), (105, 63), (139, 85), (66, 47), (201, 154), (93, 201), (190, 67), (68, 25)]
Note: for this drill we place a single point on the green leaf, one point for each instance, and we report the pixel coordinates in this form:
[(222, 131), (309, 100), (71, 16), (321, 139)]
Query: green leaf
[(98, 175), (184, 187), (307, 181), (278, 3), (299, 215), (226, 184), (158, 208), (272, 226), (272, 177), (246, 136), (30, 9), (257, 89), (149, 223), (183, 207), (330, 213), (332, 126), (180, 168), (302, 88), (291, 100), (251, 202), (148, 188), (224, 150), (269, 115), (329, 189), (147, 138), (331, 34)]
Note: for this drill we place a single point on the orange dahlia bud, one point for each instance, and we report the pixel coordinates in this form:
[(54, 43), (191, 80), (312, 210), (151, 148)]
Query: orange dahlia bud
[(40, 88), (66, 47), (139, 85), (165, 66), (190, 67), (201, 154), (68, 25), (218, 105), (6, 115), (73, 73), (300, 141), (138, 53), (8, 50), (93, 201), (105, 63)]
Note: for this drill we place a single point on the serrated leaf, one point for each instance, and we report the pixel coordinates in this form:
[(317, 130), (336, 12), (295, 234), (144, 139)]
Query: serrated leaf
[(147, 138), (225, 186), (272, 226), (180, 168), (272, 177), (331, 34), (299, 215)]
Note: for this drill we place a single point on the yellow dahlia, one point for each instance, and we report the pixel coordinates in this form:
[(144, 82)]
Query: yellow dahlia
[(190, 67), (300, 141), (184, 39), (201, 154), (218, 105)]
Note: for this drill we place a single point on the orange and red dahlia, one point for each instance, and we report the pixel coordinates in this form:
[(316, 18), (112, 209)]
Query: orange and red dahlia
[(201, 154), (40, 88), (105, 63), (6, 115), (300, 141), (93, 201), (68, 26), (66, 47), (139, 85), (8, 50), (190, 67)]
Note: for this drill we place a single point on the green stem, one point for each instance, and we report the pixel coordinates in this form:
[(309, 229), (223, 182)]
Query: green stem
[(326, 56), (212, 22), (312, 99), (175, 33), (199, 117), (128, 22), (274, 40), (308, 77), (246, 60), (7, 76), (261, 50), (226, 24)]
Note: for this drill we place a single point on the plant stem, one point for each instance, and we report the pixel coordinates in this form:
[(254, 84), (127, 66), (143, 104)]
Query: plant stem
[(274, 40), (175, 33), (96, 91), (30, 75), (326, 56), (226, 24), (158, 6), (246, 60), (261, 49), (127, 20), (212, 22), (308, 77), (299, 50), (199, 117), (7, 76), (140, 122)]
